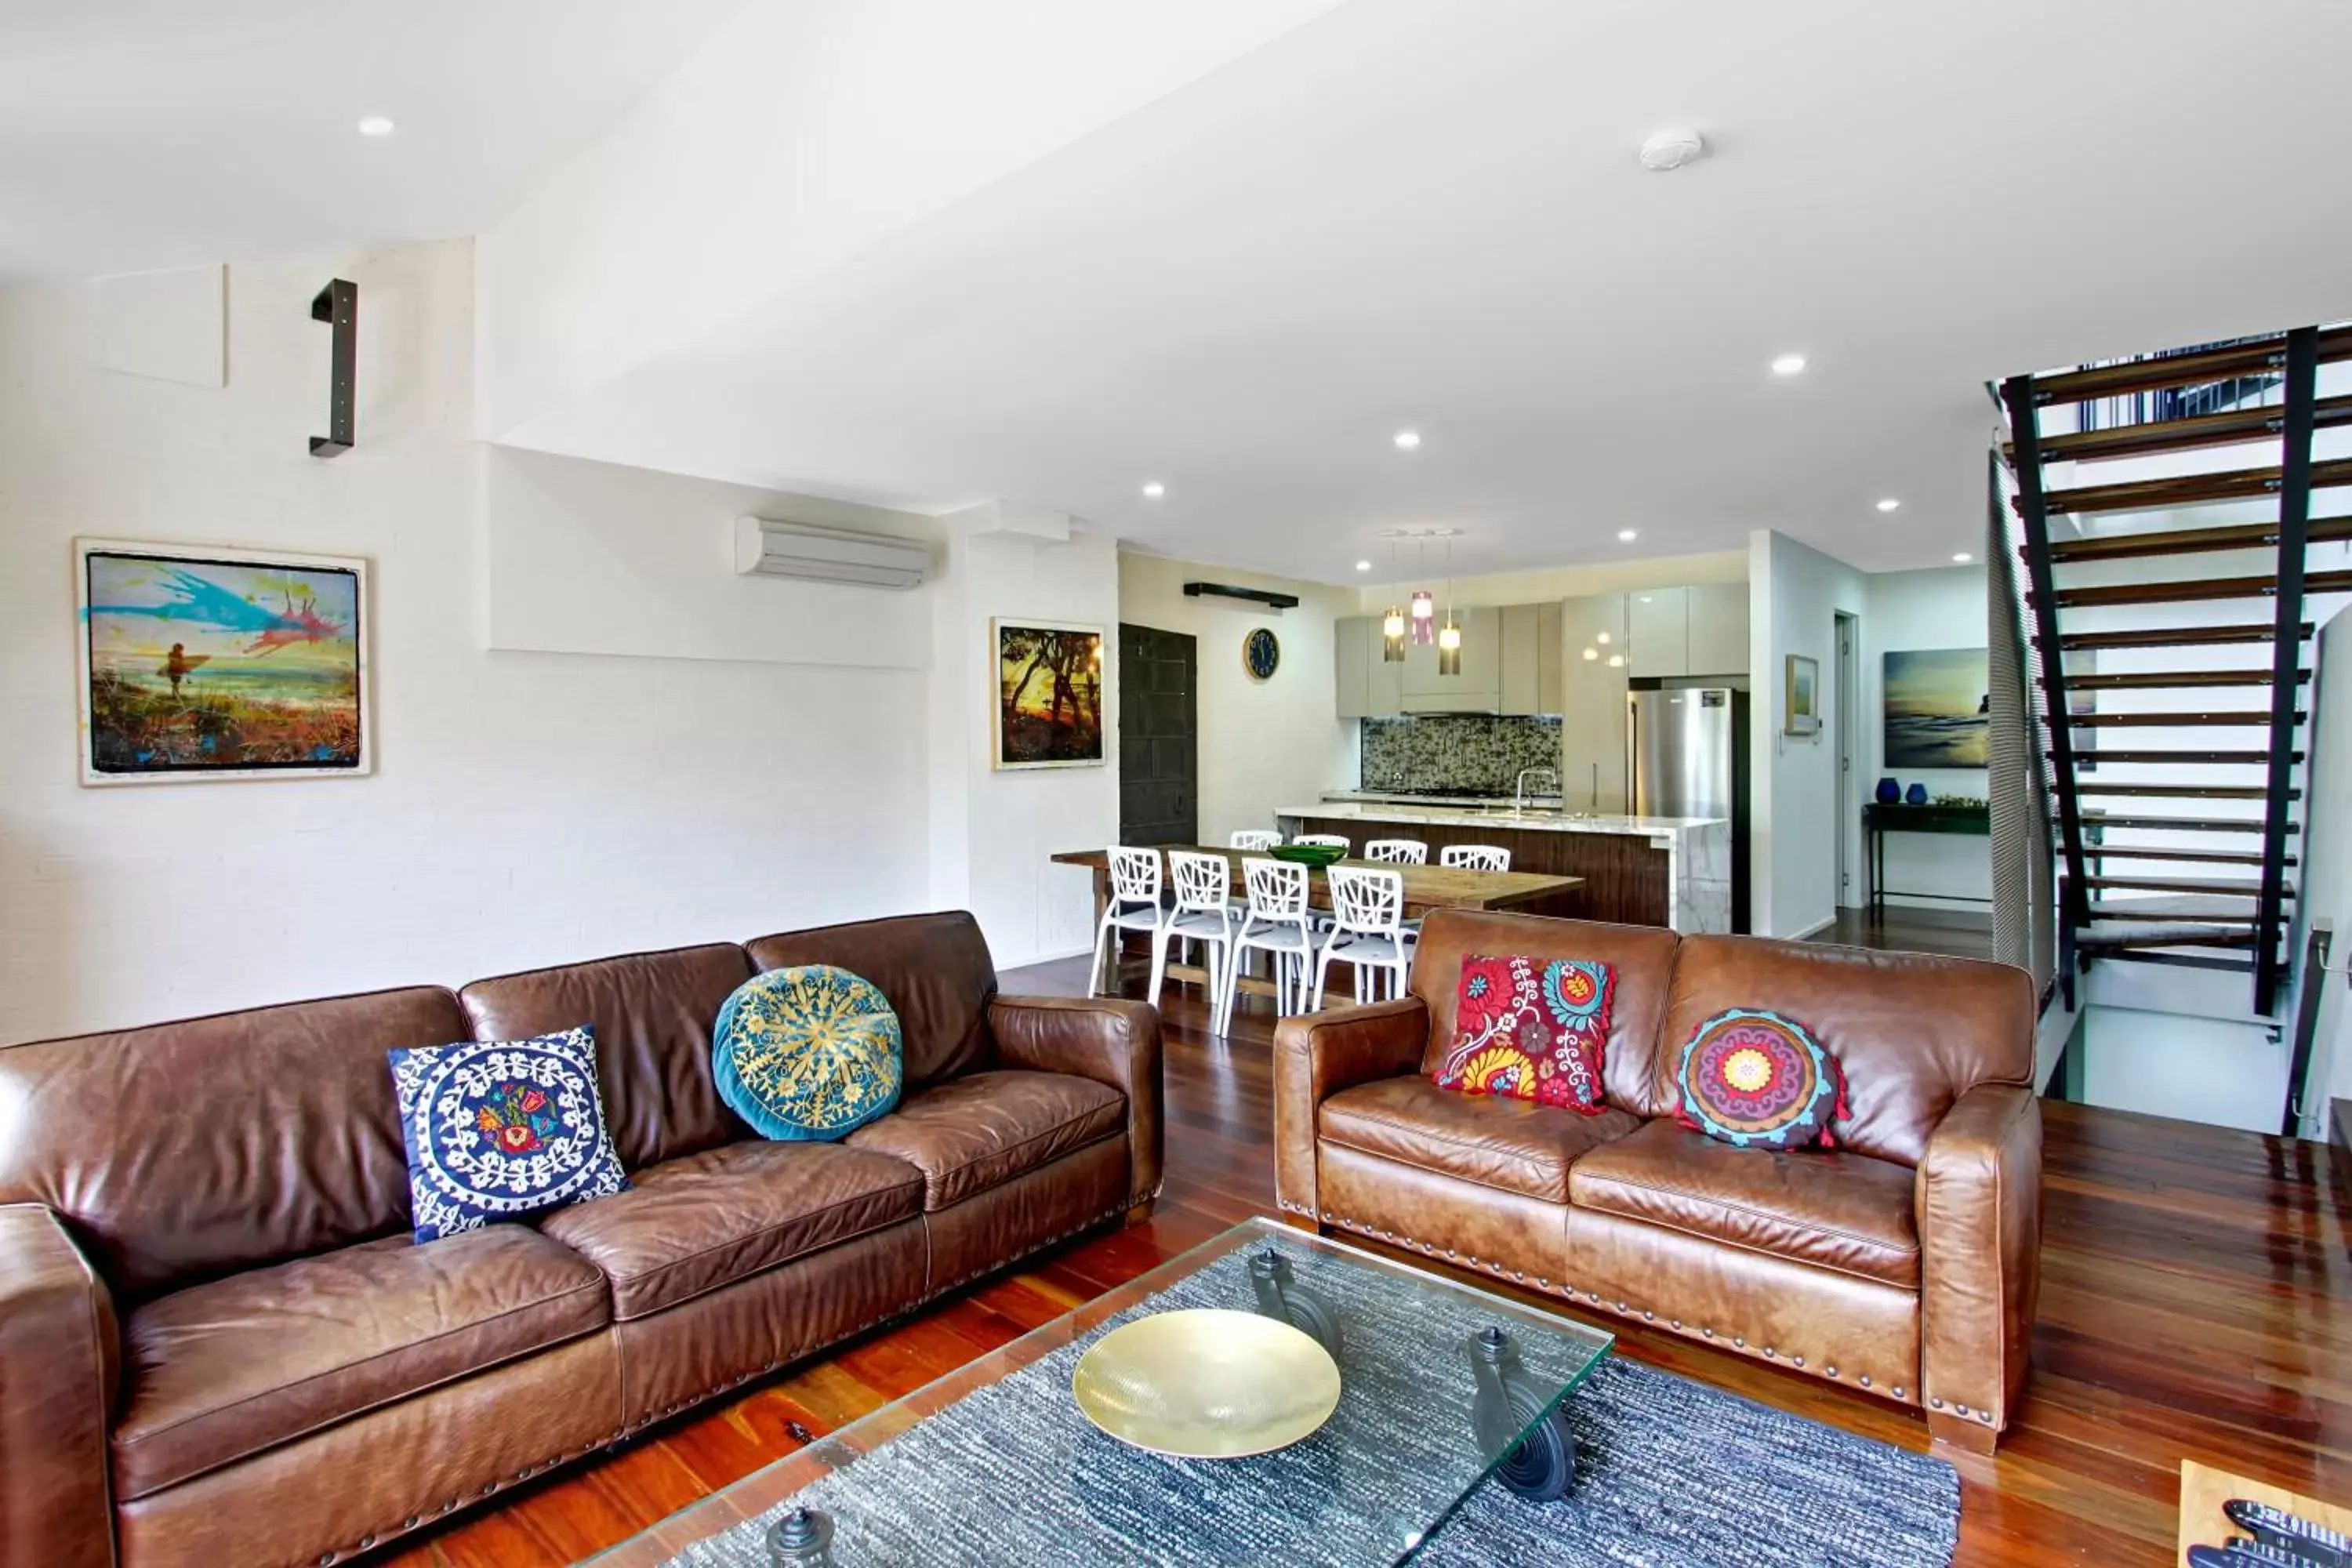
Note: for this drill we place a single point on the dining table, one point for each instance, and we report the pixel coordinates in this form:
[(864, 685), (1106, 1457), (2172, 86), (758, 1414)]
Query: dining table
[(1426, 888)]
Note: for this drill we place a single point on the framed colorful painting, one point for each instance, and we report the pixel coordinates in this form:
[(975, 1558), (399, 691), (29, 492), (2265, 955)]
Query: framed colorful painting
[(200, 663), (1048, 694)]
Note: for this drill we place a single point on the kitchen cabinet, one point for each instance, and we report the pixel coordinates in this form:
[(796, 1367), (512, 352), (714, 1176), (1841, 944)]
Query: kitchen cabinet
[(1367, 685), (1660, 622), (1718, 629), (1530, 649), (1592, 705), (1478, 688)]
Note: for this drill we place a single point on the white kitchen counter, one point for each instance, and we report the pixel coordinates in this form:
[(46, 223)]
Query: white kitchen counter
[(1698, 849)]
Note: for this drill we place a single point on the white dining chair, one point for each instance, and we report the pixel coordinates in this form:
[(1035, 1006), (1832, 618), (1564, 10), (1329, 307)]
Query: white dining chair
[(1274, 920), (1367, 930), (1134, 906), (1475, 857), (1398, 851), (1330, 840), (1204, 914), (1256, 838)]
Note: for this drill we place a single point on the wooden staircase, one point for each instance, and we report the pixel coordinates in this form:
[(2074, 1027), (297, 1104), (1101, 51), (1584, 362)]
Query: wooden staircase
[(2173, 742)]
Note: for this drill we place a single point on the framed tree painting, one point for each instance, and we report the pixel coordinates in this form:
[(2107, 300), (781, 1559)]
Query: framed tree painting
[(1048, 694), (203, 663)]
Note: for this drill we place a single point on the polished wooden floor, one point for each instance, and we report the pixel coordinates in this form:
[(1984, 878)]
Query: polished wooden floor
[(2196, 1303)]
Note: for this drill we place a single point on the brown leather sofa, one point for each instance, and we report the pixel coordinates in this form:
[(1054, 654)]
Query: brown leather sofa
[(1904, 1263), (219, 1346)]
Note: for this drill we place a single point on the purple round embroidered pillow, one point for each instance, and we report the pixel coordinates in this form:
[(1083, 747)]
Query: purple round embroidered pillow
[(1761, 1081)]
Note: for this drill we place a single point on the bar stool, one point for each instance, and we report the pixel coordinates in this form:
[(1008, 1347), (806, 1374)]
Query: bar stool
[(1204, 914), (1256, 838), (1398, 851), (1475, 857), (1275, 921), (1367, 930), (1134, 880)]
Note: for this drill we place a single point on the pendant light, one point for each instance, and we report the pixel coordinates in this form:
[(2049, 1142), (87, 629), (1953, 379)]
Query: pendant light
[(1424, 608), (1449, 640), (1392, 628)]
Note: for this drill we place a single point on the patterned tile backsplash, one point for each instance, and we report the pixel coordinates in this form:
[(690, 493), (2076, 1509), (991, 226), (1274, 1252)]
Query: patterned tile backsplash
[(1455, 754)]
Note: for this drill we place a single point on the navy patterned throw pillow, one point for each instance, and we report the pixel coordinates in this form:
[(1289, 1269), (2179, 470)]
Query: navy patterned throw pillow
[(500, 1129)]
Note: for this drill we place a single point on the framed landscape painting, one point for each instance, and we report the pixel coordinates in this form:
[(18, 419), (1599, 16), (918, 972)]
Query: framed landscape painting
[(1048, 694), (1936, 711), (201, 663)]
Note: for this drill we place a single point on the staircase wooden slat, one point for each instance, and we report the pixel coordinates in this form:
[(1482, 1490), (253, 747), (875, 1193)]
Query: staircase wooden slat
[(2178, 792), (2207, 721), (2132, 915), (2113, 851), (2189, 759), (2264, 357), (2181, 824), (2213, 886), (2172, 636), (2190, 541), (2196, 590), (2186, 490), (2168, 679), (2231, 428)]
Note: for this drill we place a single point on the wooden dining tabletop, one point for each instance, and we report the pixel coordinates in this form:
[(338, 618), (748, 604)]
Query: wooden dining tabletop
[(1426, 888)]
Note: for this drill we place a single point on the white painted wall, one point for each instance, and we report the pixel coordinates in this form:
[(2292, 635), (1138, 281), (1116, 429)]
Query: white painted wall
[(527, 807), (2327, 886), (1795, 594), (991, 833), (1263, 744), (1942, 607)]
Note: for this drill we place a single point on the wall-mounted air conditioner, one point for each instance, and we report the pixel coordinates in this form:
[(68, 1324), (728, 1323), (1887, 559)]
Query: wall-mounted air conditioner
[(766, 548)]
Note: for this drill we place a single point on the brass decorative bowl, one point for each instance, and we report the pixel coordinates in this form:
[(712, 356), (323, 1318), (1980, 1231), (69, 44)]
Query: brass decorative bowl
[(1207, 1383), (1309, 854)]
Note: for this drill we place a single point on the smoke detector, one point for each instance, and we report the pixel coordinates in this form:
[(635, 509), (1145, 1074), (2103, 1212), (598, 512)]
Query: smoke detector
[(1670, 150)]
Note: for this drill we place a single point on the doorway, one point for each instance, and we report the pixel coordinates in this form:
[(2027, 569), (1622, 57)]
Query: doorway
[(1846, 741), (1159, 762)]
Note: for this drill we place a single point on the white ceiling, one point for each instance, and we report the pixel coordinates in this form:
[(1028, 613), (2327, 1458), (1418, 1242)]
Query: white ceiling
[(1401, 213), (147, 133), (1405, 214)]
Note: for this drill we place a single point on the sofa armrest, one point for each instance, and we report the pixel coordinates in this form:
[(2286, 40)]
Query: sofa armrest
[(59, 1357), (1979, 1203), (1098, 1037), (1316, 1055)]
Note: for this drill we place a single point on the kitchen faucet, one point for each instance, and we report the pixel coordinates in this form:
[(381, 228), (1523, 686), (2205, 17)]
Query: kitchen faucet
[(1520, 788)]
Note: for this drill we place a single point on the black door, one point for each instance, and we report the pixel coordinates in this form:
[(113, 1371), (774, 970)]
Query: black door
[(1157, 738)]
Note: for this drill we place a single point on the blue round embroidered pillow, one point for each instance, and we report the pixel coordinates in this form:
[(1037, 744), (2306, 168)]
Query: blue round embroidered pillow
[(1759, 1080), (810, 1053)]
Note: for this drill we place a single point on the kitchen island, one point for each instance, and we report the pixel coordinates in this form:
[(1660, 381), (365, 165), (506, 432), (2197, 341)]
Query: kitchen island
[(1639, 871)]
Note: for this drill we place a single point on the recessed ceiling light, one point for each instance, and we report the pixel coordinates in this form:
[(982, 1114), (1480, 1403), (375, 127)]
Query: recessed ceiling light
[(1154, 489), (1406, 440), (1963, 557), (1889, 504), (376, 125), (1788, 364), (1626, 536), (1363, 565)]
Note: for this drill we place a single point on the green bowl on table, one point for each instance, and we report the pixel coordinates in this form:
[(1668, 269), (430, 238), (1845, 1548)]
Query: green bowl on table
[(1310, 853)]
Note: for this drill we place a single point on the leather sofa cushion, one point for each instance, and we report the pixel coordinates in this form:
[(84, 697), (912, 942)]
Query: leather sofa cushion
[(935, 969), (1642, 956), (1842, 1211), (693, 1225), (183, 1152), (972, 1133), (227, 1369), (1516, 1146), (1912, 1032), (653, 1013)]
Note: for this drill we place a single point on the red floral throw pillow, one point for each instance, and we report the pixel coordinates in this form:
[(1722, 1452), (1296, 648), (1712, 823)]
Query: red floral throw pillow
[(1757, 1080), (1532, 1029)]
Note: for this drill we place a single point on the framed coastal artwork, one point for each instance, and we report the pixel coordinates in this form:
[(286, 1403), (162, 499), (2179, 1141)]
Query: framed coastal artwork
[(213, 663), (1936, 709), (1048, 694), (1801, 700)]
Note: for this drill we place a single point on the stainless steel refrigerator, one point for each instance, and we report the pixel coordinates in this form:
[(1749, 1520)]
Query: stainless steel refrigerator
[(1686, 753)]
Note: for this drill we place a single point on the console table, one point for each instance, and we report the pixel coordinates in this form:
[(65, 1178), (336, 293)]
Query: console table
[(1879, 819)]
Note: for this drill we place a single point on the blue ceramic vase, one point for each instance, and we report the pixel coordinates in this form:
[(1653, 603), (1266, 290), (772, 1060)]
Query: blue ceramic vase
[(1916, 795), (1889, 791)]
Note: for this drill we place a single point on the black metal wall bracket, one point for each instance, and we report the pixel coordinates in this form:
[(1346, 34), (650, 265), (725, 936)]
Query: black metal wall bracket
[(1255, 595), (338, 305)]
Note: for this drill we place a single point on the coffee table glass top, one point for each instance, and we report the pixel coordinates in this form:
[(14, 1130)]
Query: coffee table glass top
[(994, 1463)]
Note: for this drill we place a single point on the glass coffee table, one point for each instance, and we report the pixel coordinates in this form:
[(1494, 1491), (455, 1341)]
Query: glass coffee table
[(1441, 1385)]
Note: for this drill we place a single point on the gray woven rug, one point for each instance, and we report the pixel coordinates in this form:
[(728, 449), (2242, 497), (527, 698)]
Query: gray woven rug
[(1671, 1474)]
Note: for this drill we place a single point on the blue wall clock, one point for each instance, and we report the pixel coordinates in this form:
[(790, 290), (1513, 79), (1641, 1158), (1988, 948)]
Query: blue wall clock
[(1261, 654)]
